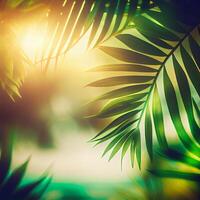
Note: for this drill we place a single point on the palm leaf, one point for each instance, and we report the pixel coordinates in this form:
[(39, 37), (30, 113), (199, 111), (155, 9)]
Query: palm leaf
[(11, 182), (161, 36), (65, 23), (68, 21), (13, 64), (13, 60)]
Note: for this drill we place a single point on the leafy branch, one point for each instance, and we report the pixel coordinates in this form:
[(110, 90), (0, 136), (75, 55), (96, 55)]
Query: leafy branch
[(65, 23), (160, 37), (68, 22)]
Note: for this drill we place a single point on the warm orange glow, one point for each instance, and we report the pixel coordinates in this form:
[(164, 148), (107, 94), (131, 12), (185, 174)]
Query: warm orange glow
[(32, 42)]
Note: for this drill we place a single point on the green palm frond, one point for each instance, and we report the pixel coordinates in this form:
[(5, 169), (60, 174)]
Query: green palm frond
[(68, 21), (165, 53), (11, 182)]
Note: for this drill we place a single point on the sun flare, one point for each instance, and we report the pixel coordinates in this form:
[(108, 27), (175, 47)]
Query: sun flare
[(33, 42)]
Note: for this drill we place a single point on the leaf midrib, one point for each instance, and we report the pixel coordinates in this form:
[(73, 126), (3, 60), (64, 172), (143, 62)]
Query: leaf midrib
[(159, 70)]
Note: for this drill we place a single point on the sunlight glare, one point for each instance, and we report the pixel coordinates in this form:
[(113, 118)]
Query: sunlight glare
[(32, 42)]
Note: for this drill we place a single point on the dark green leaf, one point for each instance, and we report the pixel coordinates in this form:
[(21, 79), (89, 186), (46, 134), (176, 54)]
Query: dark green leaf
[(119, 144), (195, 48), (132, 148), (108, 20), (14, 180), (120, 14), (109, 110), (91, 14), (158, 119), (37, 195), (140, 45), (138, 148), (129, 56), (124, 91), (97, 20), (123, 103), (148, 133), (157, 41), (191, 69), (166, 20), (125, 100), (6, 155), (25, 191), (175, 115), (125, 147), (113, 143), (131, 11), (186, 96), (123, 67), (123, 128), (197, 108), (119, 120), (151, 28), (120, 80)]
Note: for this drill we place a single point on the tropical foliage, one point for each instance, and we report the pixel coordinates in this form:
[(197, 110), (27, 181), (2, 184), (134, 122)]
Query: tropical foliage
[(160, 52), (11, 181), (69, 21), (163, 50), (65, 22), (14, 62)]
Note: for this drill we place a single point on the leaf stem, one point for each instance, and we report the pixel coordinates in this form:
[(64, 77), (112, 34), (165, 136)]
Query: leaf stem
[(160, 69)]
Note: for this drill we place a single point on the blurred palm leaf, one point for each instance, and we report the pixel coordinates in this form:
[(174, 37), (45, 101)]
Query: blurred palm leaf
[(11, 182), (13, 62), (68, 21), (163, 48), (65, 23)]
